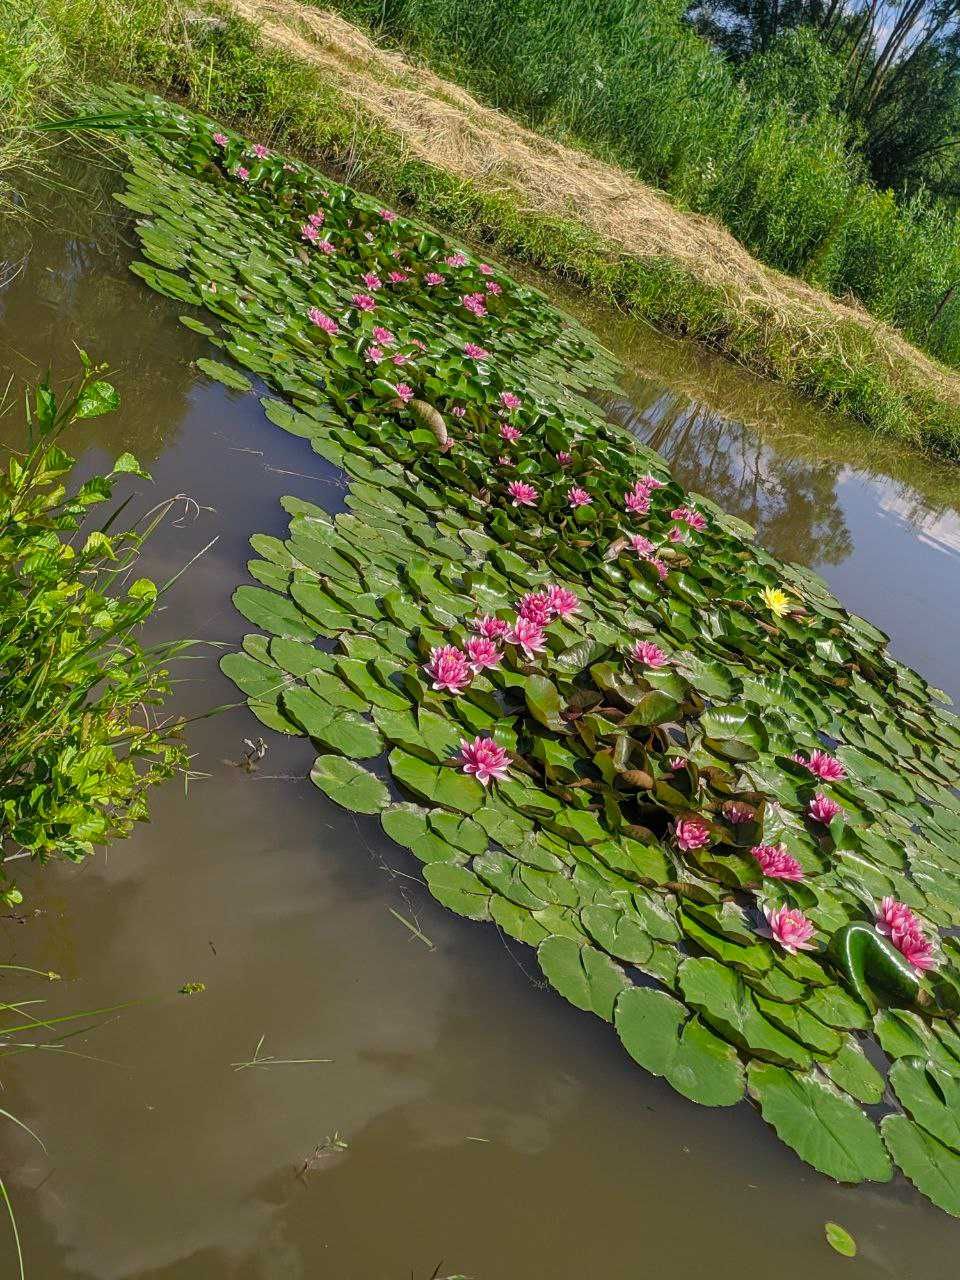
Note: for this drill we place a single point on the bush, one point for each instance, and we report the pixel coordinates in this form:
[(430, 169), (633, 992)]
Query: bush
[(79, 748)]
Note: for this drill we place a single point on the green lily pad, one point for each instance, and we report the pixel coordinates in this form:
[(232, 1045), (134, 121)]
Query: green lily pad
[(932, 1168), (582, 974), (349, 784), (825, 1128), (658, 1032)]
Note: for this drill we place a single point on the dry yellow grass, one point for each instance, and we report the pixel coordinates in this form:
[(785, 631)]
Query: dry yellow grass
[(443, 125)]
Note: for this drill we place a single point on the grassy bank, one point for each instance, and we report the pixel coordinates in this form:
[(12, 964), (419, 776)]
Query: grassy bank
[(760, 146), (313, 83)]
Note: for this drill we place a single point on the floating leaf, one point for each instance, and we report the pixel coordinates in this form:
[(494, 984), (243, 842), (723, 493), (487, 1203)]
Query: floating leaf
[(582, 974), (231, 378), (658, 1032), (825, 1128), (932, 1168), (349, 784), (840, 1240)]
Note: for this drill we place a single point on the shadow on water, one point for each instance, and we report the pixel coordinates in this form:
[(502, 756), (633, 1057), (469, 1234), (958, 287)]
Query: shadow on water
[(488, 1124)]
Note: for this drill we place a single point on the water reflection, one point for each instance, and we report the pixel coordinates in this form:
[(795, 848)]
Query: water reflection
[(64, 284), (790, 500)]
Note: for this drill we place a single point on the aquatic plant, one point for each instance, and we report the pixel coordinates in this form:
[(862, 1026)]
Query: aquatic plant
[(79, 745), (661, 832)]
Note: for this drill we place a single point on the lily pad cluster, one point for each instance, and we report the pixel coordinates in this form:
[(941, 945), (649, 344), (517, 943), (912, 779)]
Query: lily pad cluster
[(595, 712)]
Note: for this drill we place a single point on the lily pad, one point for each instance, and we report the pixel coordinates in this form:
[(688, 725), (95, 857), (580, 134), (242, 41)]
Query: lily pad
[(349, 784), (658, 1032)]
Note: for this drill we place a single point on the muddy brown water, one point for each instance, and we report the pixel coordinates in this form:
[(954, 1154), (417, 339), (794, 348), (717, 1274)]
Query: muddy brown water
[(490, 1130)]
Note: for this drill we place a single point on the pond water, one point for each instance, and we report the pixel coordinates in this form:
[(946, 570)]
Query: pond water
[(468, 1122)]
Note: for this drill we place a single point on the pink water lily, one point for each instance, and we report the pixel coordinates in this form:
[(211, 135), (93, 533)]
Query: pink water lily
[(676, 534), (221, 139), (483, 653), (562, 601), (535, 607), (689, 516), (485, 268), (527, 635), (691, 832), (374, 353), (776, 863), (790, 928), (433, 277), (260, 151), (824, 808), (490, 627), (648, 653), (493, 287), (509, 400), (383, 336), (504, 461), (316, 218), (363, 302), (473, 352), (637, 501), (325, 246), (328, 325), (824, 766), (642, 546), (309, 233), (894, 916), (404, 392), (578, 497), (242, 173), (915, 947), (649, 483), (476, 303), (399, 358), (660, 567), (457, 259), (388, 215), (510, 434), (564, 458), (485, 759), (677, 762), (738, 813), (449, 669), (458, 411), (523, 494), (371, 280), (398, 277)]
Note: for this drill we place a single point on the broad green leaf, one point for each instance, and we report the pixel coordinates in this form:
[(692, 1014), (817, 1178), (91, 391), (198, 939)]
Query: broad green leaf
[(823, 1126), (349, 784), (657, 1032), (932, 1168), (582, 974)]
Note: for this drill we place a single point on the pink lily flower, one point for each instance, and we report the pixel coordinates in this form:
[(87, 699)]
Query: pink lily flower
[(485, 759)]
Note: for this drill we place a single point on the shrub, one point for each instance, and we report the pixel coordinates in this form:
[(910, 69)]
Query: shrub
[(79, 747)]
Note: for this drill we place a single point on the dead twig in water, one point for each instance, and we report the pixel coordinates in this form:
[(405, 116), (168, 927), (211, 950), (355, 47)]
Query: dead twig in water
[(332, 1145), (413, 929), (270, 1061)]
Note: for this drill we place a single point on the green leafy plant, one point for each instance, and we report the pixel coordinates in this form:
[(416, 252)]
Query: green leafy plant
[(80, 743)]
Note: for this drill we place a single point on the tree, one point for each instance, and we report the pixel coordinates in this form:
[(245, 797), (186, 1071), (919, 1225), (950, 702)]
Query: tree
[(900, 72)]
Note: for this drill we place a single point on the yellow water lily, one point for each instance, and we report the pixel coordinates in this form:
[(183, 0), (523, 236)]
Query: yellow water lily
[(776, 600)]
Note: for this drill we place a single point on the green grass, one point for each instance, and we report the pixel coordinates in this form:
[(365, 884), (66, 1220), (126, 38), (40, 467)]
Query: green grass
[(224, 69), (31, 63), (633, 83)]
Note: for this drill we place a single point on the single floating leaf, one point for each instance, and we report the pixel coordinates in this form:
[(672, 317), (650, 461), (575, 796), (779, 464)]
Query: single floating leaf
[(840, 1240), (349, 784)]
